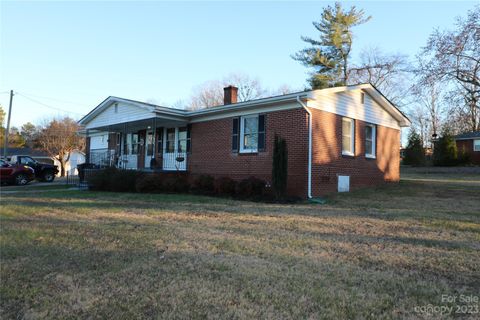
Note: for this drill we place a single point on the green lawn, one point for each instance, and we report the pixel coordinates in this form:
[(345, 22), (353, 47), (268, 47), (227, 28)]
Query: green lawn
[(371, 254)]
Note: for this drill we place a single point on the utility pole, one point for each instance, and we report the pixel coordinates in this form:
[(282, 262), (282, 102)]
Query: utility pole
[(8, 126)]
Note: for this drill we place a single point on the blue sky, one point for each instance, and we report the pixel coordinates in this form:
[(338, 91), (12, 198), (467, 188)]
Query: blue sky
[(72, 55)]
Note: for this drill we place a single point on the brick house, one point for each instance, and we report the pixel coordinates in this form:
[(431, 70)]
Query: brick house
[(337, 138), (469, 143)]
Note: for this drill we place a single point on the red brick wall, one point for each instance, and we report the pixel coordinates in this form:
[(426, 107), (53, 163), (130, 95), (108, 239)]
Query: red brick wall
[(211, 150), (328, 162), (467, 145)]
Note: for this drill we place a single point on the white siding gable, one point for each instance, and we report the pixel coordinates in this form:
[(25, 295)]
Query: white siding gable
[(125, 113), (349, 104)]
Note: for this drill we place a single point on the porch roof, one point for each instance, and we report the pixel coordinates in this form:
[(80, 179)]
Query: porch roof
[(133, 126)]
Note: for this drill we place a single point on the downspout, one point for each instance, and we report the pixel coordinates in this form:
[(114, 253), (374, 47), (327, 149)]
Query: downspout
[(309, 194)]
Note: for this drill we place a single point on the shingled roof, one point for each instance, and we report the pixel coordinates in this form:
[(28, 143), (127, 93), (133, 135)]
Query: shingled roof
[(468, 135)]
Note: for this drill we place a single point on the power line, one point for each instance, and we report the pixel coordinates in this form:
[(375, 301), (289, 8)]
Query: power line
[(46, 105), (54, 99)]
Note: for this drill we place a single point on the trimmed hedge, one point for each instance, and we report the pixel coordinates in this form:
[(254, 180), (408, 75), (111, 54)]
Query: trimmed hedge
[(251, 188), (116, 180), (225, 186), (119, 180), (204, 184)]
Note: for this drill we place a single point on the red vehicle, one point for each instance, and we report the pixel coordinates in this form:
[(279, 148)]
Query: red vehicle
[(15, 174)]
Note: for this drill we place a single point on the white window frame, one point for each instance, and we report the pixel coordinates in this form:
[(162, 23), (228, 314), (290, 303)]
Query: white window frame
[(478, 145), (374, 142), (242, 134), (352, 137)]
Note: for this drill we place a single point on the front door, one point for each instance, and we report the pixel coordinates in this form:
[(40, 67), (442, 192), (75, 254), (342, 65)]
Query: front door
[(148, 148), (174, 149), (129, 157)]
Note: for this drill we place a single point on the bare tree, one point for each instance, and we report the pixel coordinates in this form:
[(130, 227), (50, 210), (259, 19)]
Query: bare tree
[(210, 93), (388, 72), (421, 123), (207, 95), (248, 88), (453, 58), (59, 138), (428, 99)]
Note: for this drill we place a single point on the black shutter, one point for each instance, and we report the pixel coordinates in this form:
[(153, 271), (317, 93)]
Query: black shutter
[(189, 143), (235, 134), (261, 132)]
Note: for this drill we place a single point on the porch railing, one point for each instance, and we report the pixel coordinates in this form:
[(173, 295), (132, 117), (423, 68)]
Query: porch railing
[(175, 161), (103, 157)]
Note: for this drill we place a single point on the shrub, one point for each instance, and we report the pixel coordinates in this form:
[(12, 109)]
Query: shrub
[(149, 183), (445, 151), (280, 167), (99, 180), (174, 183), (112, 179), (251, 188), (124, 180), (225, 186), (414, 153), (204, 184)]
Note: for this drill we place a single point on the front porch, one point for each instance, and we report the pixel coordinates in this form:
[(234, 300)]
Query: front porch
[(152, 144)]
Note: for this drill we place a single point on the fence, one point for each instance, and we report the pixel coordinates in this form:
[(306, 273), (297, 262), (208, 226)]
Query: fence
[(72, 179), (81, 180)]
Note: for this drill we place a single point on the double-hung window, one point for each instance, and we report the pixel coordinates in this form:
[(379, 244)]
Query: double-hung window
[(170, 141), (249, 133), (370, 140), (182, 139), (348, 136), (134, 143)]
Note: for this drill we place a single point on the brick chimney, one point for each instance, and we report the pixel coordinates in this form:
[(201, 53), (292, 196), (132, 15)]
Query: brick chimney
[(230, 95)]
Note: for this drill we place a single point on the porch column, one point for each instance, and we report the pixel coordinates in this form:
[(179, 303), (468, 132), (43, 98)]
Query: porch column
[(124, 146), (87, 147)]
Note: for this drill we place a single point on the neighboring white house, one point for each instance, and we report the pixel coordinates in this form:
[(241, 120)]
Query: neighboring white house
[(76, 157)]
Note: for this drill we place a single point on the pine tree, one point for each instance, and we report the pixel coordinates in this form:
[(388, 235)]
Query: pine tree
[(330, 53), (414, 153), (445, 152)]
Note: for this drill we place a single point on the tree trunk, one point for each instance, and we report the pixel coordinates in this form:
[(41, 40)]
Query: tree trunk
[(62, 166)]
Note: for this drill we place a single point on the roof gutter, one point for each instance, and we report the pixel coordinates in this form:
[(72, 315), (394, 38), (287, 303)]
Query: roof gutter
[(309, 193)]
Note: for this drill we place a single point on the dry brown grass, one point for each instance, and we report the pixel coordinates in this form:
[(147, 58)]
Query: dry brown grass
[(376, 253)]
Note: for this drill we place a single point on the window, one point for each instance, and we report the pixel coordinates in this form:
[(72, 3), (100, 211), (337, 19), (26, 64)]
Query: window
[(362, 97), (476, 145), (134, 143), (149, 143), (170, 141), (249, 134), (348, 136), (182, 139), (27, 161), (116, 108), (370, 140)]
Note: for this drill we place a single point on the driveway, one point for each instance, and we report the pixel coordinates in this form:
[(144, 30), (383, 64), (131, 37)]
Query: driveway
[(60, 183)]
